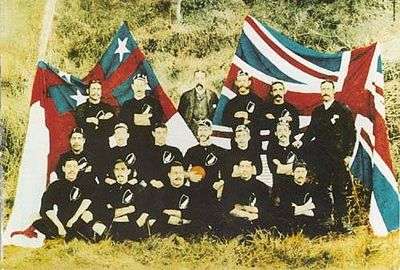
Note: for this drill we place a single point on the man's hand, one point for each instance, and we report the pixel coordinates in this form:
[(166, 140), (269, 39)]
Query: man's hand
[(142, 219), (173, 212), (283, 168), (106, 116), (99, 228), (270, 116), (156, 183), (241, 114), (93, 120), (71, 222), (109, 181), (235, 171), (194, 177), (173, 220), (87, 216), (142, 119), (61, 231), (297, 144)]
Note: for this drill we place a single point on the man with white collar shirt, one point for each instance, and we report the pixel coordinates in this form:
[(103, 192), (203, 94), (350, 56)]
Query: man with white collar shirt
[(333, 131)]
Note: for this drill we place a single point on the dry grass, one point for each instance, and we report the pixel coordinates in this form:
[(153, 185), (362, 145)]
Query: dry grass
[(75, 47)]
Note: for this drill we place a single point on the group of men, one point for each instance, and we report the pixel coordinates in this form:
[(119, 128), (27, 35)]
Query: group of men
[(121, 180)]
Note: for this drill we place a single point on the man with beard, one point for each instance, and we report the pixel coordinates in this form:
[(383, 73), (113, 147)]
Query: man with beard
[(278, 110), (245, 108), (141, 112), (122, 204), (118, 148), (206, 154), (332, 126), (95, 117), (160, 156), (198, 103), (245, 202), (64, 203), (85, 159), (281, 156), (303, 206), (242, 149)]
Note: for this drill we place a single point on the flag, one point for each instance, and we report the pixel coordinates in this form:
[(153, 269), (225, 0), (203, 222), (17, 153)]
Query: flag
[(120, 63), (269, 56), (55, 95)]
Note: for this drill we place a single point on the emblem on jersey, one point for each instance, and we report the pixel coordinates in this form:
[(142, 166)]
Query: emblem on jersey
[(285, 116), (146, 108), (74, 194), (291, 157), (211, 159), (127, 197), (100, 114), (130, 158), (168, 157), (250, 107), (252, 199), (183, 202), (82, 163), (334, 118)]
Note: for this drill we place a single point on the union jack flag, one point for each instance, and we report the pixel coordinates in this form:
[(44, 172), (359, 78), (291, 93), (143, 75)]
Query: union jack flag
[(269, 56)]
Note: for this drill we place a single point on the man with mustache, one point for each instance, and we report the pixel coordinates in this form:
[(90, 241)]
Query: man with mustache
[(304, 206), (95, 117), (277, 109), (245, 107), (198, 103), (141, 112), (329, 141), (206, 154), (85, 159)]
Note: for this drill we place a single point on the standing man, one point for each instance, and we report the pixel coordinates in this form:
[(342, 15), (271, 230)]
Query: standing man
[(245, 108), (141, 112), (278, 110), (332, 126), (95, 117), (198, 103)]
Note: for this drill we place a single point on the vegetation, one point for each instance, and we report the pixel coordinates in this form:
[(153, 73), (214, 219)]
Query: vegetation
[(206, 38)]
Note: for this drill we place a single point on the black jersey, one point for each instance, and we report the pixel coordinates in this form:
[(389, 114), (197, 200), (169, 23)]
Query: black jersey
[(211, 158), (235, 155), (67, 196), (333, 129), (250, 103), (177, 199), (279, 111)]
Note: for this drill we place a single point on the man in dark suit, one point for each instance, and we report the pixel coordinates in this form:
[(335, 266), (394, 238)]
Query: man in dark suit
[(198, 103), (332, 126)]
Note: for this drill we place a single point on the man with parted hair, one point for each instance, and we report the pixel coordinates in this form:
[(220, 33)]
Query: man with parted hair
[(95, 117), (141, 112), (198, 103), (277, 109), (329, 141)]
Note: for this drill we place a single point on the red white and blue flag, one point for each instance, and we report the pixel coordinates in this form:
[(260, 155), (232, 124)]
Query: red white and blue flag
[(55, 95), (270, 56)]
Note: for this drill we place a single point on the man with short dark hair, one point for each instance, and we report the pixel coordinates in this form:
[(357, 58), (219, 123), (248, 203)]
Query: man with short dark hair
[(95, 117), (329, 141), (141, 112), (304, 205), (198, 103), (277, 109), (245, 108)]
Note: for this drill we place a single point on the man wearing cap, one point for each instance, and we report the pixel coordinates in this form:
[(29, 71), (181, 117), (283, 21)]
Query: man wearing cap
[(206, 154), (198, 103), (245, 201), (245, 108), (123, 204), (141, 112), (85, 159), (243, 148), (95, 117), (304, 206), (281, 155), (64, 203), (330, 140), (160, 155), (277, 109)]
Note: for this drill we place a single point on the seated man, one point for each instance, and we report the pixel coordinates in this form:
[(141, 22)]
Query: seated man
[(281, 155), (86, 160), (95, 117), (121, 204), (242, 149), (245, 201), (160, 155), (303, 206), (64, 202), (141, 112)]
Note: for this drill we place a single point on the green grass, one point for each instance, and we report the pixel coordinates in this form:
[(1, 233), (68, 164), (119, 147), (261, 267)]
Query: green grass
[(207, 39)]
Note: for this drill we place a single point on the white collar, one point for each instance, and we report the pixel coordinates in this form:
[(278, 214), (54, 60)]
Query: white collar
[(328, 104)]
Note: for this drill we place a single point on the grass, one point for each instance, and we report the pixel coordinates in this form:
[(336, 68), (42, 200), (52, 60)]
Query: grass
[(207, 39)]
